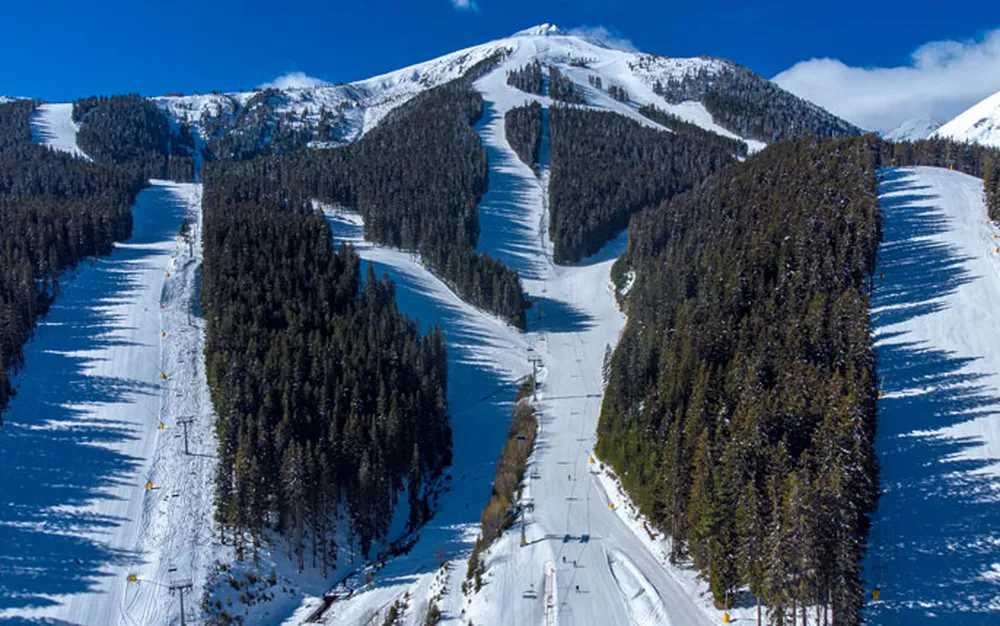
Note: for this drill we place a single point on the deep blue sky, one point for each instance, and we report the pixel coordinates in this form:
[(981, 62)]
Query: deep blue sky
[(61, 49)]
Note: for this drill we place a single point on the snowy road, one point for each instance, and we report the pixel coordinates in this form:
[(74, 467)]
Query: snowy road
[(79, 440), (935, 543)]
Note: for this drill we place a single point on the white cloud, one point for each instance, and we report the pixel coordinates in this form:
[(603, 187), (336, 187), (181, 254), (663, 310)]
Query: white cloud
[(294, 80), (465, 5), (605, 36), (942, 79)]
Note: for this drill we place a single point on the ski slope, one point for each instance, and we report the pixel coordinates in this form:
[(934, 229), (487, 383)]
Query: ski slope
[(52, 125), (934, 548), (81, 439), (574, 317)]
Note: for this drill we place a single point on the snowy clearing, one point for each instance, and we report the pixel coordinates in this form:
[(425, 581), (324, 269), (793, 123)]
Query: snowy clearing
[(81, 439), (52, 125), (934, 548)]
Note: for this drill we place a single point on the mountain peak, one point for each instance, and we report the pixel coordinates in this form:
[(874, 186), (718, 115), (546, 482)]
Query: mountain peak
[(979, 124), (542, 30)]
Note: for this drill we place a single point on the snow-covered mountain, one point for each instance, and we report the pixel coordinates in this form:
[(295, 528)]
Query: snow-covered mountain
[(913, 129), (342, 113), (980, 123), (162, 510)]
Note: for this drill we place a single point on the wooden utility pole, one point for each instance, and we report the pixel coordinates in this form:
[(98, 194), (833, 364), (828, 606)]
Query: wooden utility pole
[(180, 586), (184, 421)]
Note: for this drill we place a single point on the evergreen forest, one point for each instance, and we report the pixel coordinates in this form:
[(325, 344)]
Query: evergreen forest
[(605, 167), (740, 405), (330, 403), (56, 210)]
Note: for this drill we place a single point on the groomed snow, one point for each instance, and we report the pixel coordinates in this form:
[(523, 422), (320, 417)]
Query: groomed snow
[(935, 545), (52, 125), (81, 438)]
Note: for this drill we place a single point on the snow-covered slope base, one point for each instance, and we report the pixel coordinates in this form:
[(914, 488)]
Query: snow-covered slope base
[(82, 440), (935, 545), (52, 125)]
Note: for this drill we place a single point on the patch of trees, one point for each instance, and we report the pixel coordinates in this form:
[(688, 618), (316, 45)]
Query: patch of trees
[(619, 93), (523, 127), (328, 399), (562, 88), (740, 406), (15, 122), (131, 130), (606, 167), (970, 158), (56, 210), (528, 79), (752, 106), (417, 179), (500, 513), (258, 128), (682, 127)]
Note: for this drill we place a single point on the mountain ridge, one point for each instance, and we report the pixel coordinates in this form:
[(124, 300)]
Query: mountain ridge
[(980, 123)]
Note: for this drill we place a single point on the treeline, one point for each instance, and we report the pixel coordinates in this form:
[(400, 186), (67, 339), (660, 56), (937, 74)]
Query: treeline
[(605, 167), (740, 407), (562, 88), (682, 127), (56, 210), (417, 179), (523, 127), (131, 130), (15, 122), (752, 106), (258, 128), (970, 158), (328, 399), (528, 79)]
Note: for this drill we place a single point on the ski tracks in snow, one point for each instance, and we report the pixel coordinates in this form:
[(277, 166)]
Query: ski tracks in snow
[(82, 439)]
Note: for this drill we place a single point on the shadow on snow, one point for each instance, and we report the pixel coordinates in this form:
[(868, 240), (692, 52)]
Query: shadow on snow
[(506, 230), (56, 451), (932, 543)]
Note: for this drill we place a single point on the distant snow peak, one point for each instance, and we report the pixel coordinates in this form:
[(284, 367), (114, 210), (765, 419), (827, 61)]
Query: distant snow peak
[(294, 80), (979, 124), (913, 129), (542, 30)]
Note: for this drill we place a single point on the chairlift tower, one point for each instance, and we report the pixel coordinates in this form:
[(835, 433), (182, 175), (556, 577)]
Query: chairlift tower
[(184, 421), (179, 587)]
